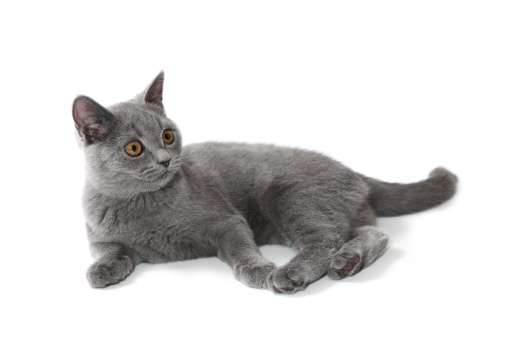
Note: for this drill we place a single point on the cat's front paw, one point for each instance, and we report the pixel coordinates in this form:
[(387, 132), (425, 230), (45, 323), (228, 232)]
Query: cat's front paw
[(108, 272), (287, 280), (254, 275)]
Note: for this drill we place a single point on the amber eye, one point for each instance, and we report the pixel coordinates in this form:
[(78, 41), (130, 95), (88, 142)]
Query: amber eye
[(168, 136), (133, 148)]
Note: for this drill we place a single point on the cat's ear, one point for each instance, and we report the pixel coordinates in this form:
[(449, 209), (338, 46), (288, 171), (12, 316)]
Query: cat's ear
[(153, 94), (92, 120)]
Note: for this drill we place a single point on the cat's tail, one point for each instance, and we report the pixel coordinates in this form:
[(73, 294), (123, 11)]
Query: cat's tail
[(394, 199)]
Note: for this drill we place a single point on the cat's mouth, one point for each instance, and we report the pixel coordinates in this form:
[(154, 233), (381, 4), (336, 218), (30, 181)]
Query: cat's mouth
[(151, 175), (154, 175)]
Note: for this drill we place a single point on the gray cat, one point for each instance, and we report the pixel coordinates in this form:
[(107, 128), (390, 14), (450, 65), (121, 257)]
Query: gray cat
[(148, 199)]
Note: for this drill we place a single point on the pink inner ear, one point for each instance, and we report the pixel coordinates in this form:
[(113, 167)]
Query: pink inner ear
[(96, 129), (155, 91), (83, 113)]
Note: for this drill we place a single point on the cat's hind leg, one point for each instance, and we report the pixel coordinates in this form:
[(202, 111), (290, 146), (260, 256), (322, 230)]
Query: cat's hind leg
[(367, 244), (311, 263)]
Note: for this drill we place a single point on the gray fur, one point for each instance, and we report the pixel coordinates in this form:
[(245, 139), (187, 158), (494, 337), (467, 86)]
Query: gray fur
[(226, 199)]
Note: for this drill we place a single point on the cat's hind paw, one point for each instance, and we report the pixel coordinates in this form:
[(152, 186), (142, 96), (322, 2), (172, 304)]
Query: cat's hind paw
[(108, 272), (342, 266)]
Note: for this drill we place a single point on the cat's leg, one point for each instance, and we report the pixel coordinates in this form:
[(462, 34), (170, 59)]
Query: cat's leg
[(367, 244), (315, 249), (236, 246), (114, 263)]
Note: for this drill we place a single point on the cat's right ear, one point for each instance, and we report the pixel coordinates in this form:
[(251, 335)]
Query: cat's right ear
[(92, 120)]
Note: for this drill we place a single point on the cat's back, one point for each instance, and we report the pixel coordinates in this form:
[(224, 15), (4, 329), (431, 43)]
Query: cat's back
[(245, 157), (257, 154), (261, 165)]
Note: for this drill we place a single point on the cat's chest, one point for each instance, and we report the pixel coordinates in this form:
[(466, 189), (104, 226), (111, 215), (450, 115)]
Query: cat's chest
[(159, 231), (162, 221), (143, 213)]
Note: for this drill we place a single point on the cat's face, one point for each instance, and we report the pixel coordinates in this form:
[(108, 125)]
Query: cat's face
[(130, 147)]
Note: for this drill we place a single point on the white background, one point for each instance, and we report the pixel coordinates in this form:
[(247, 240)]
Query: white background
[(390, 88)]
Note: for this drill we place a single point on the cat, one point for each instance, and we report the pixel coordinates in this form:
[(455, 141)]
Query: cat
[(149, 199)]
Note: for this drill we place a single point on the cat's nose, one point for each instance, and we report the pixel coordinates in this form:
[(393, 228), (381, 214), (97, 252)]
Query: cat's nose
[(165, 163)]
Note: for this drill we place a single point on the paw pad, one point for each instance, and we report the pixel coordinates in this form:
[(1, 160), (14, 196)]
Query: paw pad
[(342, 267), (349, 266)]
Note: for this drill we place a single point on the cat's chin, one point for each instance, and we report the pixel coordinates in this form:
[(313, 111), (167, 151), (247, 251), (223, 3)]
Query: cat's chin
[(153, 178)]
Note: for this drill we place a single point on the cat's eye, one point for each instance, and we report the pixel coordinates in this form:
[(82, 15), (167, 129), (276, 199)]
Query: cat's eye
[(168, 136), (133, 148)]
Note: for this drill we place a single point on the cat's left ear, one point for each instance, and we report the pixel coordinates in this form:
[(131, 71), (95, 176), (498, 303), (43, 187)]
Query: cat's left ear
[(153, 94), (92, 120)]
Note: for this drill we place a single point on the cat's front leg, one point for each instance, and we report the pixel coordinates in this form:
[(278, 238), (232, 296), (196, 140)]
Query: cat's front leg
[(236, 246), (253, 272), (115, 262)]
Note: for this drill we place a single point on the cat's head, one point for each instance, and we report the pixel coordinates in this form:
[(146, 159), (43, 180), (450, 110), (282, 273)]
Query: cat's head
[(130, 147)]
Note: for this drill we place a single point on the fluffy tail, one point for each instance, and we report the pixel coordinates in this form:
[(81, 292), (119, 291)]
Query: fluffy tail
[(394, 199)]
